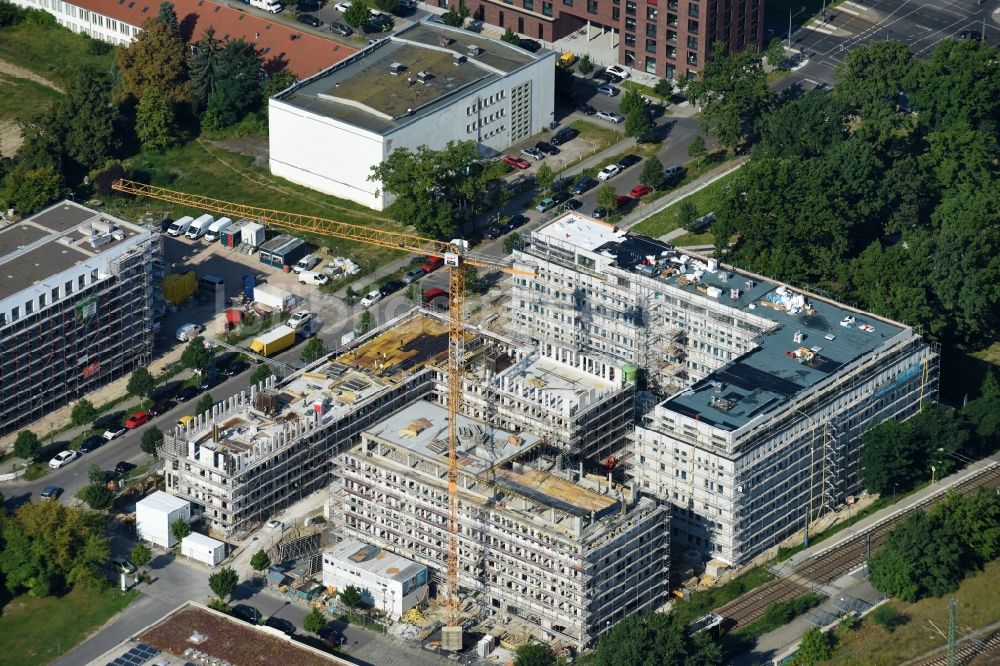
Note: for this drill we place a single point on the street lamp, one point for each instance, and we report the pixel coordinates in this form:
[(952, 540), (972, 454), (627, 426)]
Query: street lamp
[(790, 16), (933, 474)]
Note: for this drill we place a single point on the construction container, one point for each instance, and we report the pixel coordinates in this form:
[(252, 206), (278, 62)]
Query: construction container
[(230, 235), (273, 297), (155, 514), (252, 234), (177, 288), (274, 341), (282, 251), (203, 549)]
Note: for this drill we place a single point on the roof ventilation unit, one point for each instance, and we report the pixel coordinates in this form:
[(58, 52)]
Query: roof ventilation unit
[(396, 68), (474, 50), (424, 76), (459, 59), (445, 41)]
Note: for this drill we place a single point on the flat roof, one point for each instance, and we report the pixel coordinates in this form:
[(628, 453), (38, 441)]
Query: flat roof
[(202, 540), (54, 240), (422, 428), (161, 501), (364, 91), (557, 386), (548, 490), (806, 338), (375, 560)]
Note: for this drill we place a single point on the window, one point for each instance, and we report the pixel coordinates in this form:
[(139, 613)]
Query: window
[(592, 6), (651, 30), (651, 45), (692, 25), (629, 39), (671, 72), (692, 42), (672, 20), (693, 9), (69, 288), (567, 3), (547, 8), (671, 36), (15, 313), (692, 58), (629, 58), (41, 301), (616, 13), (671, 52), (81, 281), (650, 69), (529, 4), (651, 13), (55, 294), (29, 307), (630, 7), (630, 24)]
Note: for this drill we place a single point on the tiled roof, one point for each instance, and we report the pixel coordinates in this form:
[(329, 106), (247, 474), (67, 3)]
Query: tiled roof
[(300, 52)]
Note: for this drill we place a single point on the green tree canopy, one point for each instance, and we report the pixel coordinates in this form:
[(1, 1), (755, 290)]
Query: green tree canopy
[(26, 445), (606, 197), (235, 90), (156, 124), (357, 14), (196, 355), (544, 176), (30, 190), (259, 374), (260, 561), (97, 496), (141, 383), (637, 124), (654, 638), (814, 648), (223, 582), (314, 621), (351, 597), (365, 323), (151, 438), (697, 147), (510, 37), (775, 53), (155, 63), (313, 351), (535, 654), (141, 555), (83, 412), (455, 16), (652, 173), (205, 404), (180, 529)]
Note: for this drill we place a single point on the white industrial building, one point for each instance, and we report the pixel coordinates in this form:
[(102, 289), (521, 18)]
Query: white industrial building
[(386, 581), (203, 549), (423, 86), (763, 390), (156, 513)]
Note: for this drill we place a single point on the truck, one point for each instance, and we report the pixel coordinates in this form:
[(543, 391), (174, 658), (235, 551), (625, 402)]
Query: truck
[(274, 341), (267, 5)]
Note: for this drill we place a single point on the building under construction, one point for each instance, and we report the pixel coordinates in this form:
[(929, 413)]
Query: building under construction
[(76, 299), (563, 554), (763, 391)]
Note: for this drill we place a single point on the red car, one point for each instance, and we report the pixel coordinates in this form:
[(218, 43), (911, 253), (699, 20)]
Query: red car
[(432, 264), (640, 190), (137, 420), (516, 162)]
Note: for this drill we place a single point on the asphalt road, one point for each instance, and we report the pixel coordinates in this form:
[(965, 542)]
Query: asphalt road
[(920, 24)]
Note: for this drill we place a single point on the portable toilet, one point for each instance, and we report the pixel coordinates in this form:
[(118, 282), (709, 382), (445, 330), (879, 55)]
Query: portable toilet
[(252, 234), (249, 282)]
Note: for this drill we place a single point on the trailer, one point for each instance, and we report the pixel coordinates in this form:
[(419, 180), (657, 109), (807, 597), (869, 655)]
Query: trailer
[(274, 341)]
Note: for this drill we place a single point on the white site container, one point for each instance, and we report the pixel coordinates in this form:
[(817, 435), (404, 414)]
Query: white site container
[(203, 549), (155, 514)]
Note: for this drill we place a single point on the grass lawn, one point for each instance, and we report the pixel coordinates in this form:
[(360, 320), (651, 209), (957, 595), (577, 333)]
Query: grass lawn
[(599, 136), (36, 631), (706, 200), (202, 168), (50, 51), (871, 645), (20, 98)]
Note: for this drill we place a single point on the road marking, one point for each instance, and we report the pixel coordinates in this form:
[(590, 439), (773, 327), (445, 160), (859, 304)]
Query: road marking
[(843, 7), (817, 26)]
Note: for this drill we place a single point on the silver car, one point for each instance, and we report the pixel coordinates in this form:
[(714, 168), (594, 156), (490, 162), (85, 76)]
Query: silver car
[(610, 116)]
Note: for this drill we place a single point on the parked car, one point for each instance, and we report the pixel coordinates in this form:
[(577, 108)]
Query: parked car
[(136, 420), (560, 197), (585, 108), (495, 230), (533, 153), (280, 624), (640, 190), (674, 172), (600, 213), (209, 380), (391, 287), (309, 5), (629, 160), (582, 184), (567, 59), (564, 135), (300, 319), (123, 468), (516, 221), (610, 171), (546, 204), (547, 148), (431, 264), (235, 368), (341, 29), (314, 278), (189, 332), (161, 406), (275, 524), (310, 20), (607, 89), (431, 294), (51, 492), (371, 298), (971, 34), (63, 458), (247, 613), (572, 204), (306, 263), (114, 432), (412, 275), (529, 45), (186, 394), (619, 71), (92, 444), (606, 76), (516, 162), (624, 202), (184, 420), (611, 116), (342, 6), (121, 565)]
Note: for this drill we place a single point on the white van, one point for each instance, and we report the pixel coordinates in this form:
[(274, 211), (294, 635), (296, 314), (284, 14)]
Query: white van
[(212, 234), (200, 226), (180, 225), (268, 5), (306, 263), (312, 277)]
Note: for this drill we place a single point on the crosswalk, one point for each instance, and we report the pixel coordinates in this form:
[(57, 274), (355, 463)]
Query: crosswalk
[(820, 25)]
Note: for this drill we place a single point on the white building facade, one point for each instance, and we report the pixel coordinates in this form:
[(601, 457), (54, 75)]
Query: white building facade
[(85, 20), (386, 581), (447, 85)]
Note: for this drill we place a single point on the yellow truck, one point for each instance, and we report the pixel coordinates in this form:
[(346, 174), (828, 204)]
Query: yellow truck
[(274, 341)]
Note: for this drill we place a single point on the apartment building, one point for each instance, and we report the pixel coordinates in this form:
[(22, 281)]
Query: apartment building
[(563, 555), (764, 390), (76, 299), (386, 581), (670, 40)]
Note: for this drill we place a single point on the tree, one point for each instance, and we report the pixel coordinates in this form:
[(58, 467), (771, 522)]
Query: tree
[(26, 445), (654, 638), (732, 93), (814, 648), (887, 617), (261, 373), (775, 54), (313, 351), (30, 190), (387, 6), (637, 124), (357, 14), (204, 68), (652, 173), (314, 622), (535, 654), (83, 412), (223, 582), (687, 214), (921, 556), (544, 177), (180, 529), (141, 555), (95, 474), (236, 88), (586, 65), (365, 323), (168, 17), (607, 197), (155, 63), (90, 119), (511, 242), (631, 100), (697, 147), (351, 597), (510, 37), (205, 404), (260, 561), (141, 383), (97, 496), (664, 88), (151, 438), (197, 356), (275, 83), (156, 123), (456, 17)]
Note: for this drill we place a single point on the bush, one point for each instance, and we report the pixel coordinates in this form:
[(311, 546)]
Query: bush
[(97, 47), (97, 496), (887, 617), (26, 445), (83, 412)]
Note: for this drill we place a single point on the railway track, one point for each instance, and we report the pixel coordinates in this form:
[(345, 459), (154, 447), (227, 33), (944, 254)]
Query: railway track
[(830, 564), (964, 652)]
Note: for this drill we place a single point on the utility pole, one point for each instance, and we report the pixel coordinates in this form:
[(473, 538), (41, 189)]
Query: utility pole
[(790, 15), (952, 605)]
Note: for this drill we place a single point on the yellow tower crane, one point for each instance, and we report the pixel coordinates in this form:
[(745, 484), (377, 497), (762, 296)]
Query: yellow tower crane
[(455, 255)]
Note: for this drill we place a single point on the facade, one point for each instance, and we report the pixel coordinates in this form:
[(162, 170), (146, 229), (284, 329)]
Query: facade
[(566, 556), (76, 307), (670, 40), (768, 389), (423, 86), (281, 46), (388, 582)]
